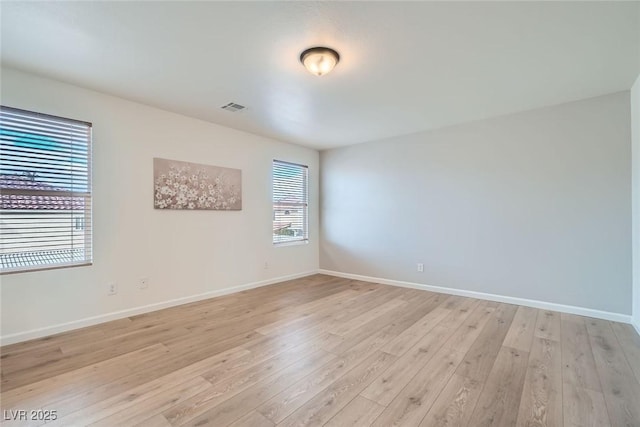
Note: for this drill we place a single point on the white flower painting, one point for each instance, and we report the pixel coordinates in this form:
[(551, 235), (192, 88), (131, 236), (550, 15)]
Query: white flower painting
[(184, 185)]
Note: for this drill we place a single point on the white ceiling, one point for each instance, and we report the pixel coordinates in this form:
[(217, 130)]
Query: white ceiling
[(405, 67)]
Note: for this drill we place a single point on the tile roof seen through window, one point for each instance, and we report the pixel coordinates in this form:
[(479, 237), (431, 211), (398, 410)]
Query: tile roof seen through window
[(32, 201)]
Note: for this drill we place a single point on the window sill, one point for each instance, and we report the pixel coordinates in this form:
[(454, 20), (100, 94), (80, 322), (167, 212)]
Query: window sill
[(295, 243), (43, 268)]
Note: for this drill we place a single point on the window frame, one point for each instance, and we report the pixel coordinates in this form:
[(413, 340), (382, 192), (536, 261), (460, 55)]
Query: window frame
[(86, 212), (292, 207)]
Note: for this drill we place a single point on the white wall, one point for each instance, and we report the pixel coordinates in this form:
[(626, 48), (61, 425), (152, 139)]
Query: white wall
[(184, 253), (533, 205), (635, 136)]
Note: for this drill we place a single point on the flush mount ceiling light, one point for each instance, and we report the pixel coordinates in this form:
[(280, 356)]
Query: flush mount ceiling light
[(319, 60)]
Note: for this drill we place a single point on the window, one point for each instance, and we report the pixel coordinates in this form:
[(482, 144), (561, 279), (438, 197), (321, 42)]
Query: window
[(45, 191), (290, 202)]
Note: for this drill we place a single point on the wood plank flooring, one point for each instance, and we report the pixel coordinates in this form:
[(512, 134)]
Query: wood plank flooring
[(326, 351)]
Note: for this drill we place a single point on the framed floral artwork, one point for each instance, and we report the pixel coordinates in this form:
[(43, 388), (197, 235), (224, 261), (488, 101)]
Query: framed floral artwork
[(185, 185)]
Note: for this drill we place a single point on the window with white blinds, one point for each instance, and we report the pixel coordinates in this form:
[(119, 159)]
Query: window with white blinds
[(45, 191), (290, 202)]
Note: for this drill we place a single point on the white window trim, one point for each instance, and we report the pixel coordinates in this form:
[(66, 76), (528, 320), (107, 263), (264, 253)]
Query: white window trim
[(15, 121), (304, 205)]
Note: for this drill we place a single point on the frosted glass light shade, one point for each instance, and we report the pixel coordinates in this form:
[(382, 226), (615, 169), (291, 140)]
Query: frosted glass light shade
[(319, 60)]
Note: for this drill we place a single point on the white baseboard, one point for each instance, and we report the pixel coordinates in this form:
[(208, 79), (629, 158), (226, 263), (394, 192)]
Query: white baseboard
[(606, 315), (94, 320), (636, 324)]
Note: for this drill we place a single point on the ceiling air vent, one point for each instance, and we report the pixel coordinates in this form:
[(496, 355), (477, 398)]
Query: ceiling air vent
[(233, 107)]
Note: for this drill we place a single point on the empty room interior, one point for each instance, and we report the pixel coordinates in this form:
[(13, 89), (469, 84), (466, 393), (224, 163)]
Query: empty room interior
[(320, 213)]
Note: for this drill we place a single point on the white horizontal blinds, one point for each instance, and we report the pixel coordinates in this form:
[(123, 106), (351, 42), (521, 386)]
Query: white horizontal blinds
[(290, 202), (45, 191)]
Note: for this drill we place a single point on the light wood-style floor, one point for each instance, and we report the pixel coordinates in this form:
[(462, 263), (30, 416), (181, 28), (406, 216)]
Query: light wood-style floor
[(328, 351)]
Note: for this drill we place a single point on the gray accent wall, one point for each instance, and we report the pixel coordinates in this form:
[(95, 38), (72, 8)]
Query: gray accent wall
[(533, 205), (635, 135)]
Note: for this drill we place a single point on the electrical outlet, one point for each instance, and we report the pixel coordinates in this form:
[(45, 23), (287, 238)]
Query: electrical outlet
[(112, 288), (420, 267), (266, 265), (144, 283)]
